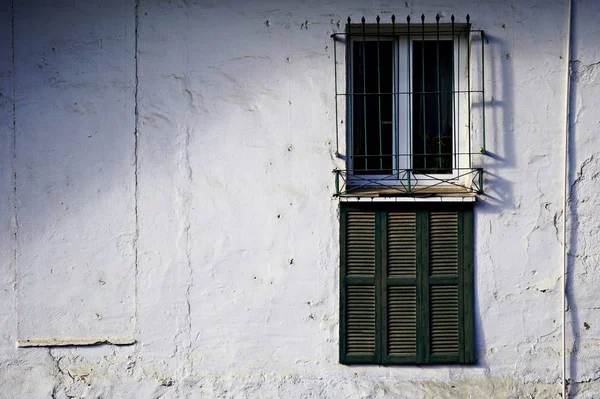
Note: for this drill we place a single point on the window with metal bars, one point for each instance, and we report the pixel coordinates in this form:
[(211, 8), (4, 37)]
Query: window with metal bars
[(408, 102), (406, 284)]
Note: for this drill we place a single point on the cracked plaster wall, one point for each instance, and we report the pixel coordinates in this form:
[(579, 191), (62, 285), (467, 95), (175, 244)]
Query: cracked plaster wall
[(583, 280), (204, 226)]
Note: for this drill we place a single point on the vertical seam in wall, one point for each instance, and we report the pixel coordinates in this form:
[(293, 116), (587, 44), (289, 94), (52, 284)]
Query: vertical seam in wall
[(135, 155), (289, 78), (566, 201), (14, 171)]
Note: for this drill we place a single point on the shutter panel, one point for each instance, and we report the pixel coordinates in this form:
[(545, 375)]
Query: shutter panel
[(400, 288), (402, 322), (402, 244), (360, 320), (443, 243), (444, 320), (444, 328), (360, 244), (358, 302)]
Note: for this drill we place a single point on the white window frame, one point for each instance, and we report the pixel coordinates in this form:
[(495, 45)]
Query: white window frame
[(402, 119)]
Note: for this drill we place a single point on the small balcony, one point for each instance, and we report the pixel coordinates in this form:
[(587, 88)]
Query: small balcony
[(410, 182)]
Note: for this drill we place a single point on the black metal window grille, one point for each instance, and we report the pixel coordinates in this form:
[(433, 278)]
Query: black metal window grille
[(409, 100)]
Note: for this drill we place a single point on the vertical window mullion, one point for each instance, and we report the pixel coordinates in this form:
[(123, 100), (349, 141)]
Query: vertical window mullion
[(456, 149), (457, 79), (350, 98), (379, 99), (409, 97), (395, 102), (364, 51), (438, 94), (469, 86), (423, 99)]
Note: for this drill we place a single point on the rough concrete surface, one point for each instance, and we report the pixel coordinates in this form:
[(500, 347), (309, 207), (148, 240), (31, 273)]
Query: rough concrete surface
[(166, 180)]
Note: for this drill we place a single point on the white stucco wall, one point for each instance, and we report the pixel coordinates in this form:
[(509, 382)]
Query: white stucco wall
[(204, 228)]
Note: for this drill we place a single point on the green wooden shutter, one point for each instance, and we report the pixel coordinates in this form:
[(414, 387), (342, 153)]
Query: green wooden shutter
[(449, 287), (399, 288), (443, 287), (406, 285), (358, 316)]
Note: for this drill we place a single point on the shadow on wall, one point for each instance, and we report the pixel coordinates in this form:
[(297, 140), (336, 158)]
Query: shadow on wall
[(76, 152), (72, 179), (500, 153)]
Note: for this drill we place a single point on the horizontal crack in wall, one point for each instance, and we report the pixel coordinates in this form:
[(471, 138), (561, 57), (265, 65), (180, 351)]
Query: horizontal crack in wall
[(52, 342)]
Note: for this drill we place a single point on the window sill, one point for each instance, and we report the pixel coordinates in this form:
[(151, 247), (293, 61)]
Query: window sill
[(419, 194), (357, 198)]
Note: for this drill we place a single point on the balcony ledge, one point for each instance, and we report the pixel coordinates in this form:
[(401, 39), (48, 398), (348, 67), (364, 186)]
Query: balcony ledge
[(419, 194)]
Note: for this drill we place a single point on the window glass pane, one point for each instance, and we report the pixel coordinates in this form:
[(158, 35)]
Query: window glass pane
[(432, 70), (372, 112)]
